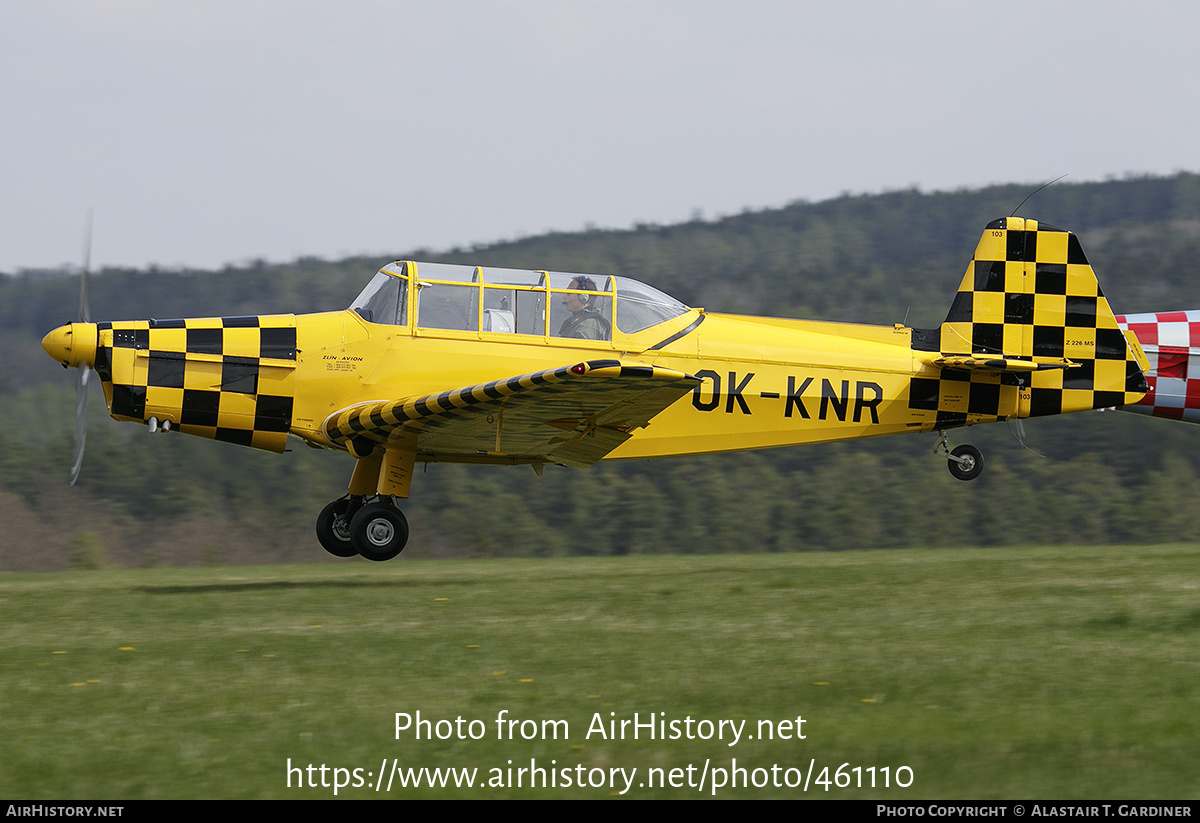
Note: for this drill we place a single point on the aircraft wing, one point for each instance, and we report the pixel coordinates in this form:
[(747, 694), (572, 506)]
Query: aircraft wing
[(571, 415)]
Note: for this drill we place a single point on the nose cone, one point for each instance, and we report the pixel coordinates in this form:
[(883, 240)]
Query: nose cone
[(73, 344)]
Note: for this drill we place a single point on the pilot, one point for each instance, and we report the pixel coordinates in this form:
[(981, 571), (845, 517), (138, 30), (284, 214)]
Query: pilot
[(584, 322)]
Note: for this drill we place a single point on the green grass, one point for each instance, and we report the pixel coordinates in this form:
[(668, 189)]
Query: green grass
[(1060, 672)]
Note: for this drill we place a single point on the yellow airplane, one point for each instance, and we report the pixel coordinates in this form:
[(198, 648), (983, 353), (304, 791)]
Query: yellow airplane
[(437, 362)]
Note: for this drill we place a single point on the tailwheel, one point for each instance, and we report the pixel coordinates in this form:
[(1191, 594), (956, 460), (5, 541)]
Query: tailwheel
[(965, 462), (379, 530), (333, 527)]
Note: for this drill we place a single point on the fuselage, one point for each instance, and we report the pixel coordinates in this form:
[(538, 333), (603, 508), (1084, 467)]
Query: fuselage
[(767, 383)]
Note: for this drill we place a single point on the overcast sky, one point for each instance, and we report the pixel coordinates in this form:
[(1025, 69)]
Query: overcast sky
[(213, 132)]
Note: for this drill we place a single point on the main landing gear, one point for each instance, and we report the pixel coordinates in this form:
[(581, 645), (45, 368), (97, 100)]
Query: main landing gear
[(965, 462), (352, 525), (368, 520)]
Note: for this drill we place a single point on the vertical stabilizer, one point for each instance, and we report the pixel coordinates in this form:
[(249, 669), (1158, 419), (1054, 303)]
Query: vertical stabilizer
[(1031, 322)]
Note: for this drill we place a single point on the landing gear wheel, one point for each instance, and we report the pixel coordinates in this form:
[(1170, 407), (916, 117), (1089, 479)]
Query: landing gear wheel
[(333, 529), (379, 531), (969, 465)]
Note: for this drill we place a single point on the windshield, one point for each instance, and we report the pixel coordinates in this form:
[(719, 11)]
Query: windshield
[(640, 306), (384, 300)]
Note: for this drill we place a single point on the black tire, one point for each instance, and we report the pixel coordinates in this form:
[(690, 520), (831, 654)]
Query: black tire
[(333, 531), (379, 531), (969, 470)]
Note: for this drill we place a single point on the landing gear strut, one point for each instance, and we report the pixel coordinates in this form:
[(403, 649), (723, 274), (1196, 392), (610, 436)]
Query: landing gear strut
[(965, 462), (368, 520)]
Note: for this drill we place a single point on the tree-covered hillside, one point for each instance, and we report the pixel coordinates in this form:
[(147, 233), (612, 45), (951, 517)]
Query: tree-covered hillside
[(863, 258)]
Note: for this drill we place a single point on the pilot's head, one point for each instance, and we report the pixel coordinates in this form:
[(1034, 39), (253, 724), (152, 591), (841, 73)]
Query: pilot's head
[(574, 302)]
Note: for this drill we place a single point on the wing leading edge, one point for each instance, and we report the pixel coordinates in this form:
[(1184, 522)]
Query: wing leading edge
[(571, 415)]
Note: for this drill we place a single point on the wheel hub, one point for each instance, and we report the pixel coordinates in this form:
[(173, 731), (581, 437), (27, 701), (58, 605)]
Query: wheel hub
[(341, 528), (380, 531)]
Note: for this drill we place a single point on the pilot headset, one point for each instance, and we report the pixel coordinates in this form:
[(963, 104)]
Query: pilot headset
[(585, 283)]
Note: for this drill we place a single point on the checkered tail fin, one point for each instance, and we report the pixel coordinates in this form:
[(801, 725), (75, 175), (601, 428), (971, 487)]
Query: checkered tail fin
[(1030, 304)]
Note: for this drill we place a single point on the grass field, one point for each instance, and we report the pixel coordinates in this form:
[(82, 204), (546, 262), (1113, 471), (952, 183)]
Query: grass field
[(1059, 672)]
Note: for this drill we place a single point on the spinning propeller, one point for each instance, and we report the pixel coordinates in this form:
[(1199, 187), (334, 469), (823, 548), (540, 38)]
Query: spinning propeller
[(85, 369), (74, 344)]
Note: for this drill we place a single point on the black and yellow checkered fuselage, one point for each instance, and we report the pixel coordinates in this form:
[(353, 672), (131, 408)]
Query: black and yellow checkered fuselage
[(225, 378)]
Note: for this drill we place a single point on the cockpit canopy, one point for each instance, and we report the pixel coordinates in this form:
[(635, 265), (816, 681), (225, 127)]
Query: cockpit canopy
[(513, 301)]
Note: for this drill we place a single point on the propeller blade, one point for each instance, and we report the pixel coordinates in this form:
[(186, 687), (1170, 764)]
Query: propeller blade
[(81, 403), (85, 309), (81, 385)]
